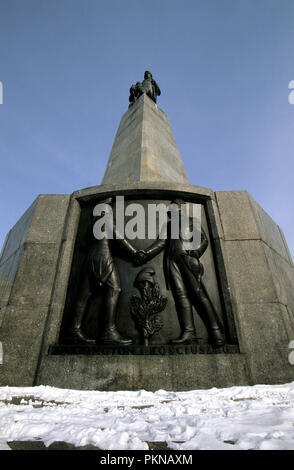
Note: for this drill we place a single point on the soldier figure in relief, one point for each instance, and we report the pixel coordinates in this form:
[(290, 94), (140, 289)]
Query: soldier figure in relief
[(183, 273), (100, 275)]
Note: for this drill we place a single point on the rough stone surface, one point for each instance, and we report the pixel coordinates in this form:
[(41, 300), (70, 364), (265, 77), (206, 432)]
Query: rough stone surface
[(266, 340), (248, 271), (145, 372), (282, 274), (26, 315), (236, 214), (10, 256), (261, 279), (269, 231), (144, 148)]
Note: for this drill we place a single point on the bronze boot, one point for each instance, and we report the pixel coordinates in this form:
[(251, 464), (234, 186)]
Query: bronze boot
[(186, 319), (217, 337), (110, 334), (76, 334)]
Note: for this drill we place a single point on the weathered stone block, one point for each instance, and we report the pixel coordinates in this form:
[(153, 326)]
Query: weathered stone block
[(48, 218), (35, 276), (282, 273), (25, 317), (265, 342), (269, 231), (144, 372), (249, 273), (11, 254), (236, 215), (21, 336)]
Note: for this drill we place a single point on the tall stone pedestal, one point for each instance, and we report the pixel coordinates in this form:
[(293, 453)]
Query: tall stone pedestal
[(248, 273), (144, 147)]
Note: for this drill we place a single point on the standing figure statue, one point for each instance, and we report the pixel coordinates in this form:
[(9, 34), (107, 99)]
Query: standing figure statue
[(148, 86), (183, 274), (100, 275)]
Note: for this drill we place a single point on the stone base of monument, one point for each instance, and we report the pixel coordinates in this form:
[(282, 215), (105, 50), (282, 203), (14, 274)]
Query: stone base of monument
[(249, 273), (149, 372)]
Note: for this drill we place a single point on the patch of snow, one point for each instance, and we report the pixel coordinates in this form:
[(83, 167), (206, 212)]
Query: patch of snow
[(236, 418)]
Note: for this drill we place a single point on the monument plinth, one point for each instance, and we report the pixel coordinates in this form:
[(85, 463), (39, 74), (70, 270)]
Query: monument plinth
[(139, 312)]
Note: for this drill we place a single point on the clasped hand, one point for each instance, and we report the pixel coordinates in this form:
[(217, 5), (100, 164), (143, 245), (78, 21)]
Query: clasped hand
[(140, 257)]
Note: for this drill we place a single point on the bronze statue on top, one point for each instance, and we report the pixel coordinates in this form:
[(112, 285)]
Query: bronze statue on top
[(148, 86)]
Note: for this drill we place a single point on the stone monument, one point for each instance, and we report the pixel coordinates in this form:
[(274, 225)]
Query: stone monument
[(127, 312)]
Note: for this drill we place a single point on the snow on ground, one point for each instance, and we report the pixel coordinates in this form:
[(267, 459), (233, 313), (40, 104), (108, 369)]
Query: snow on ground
[(236, 418)]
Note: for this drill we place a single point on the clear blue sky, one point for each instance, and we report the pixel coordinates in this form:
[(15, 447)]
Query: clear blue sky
[(223, 67)]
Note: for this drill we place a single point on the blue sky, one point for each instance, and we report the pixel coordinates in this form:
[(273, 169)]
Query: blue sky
[(223, 67)]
